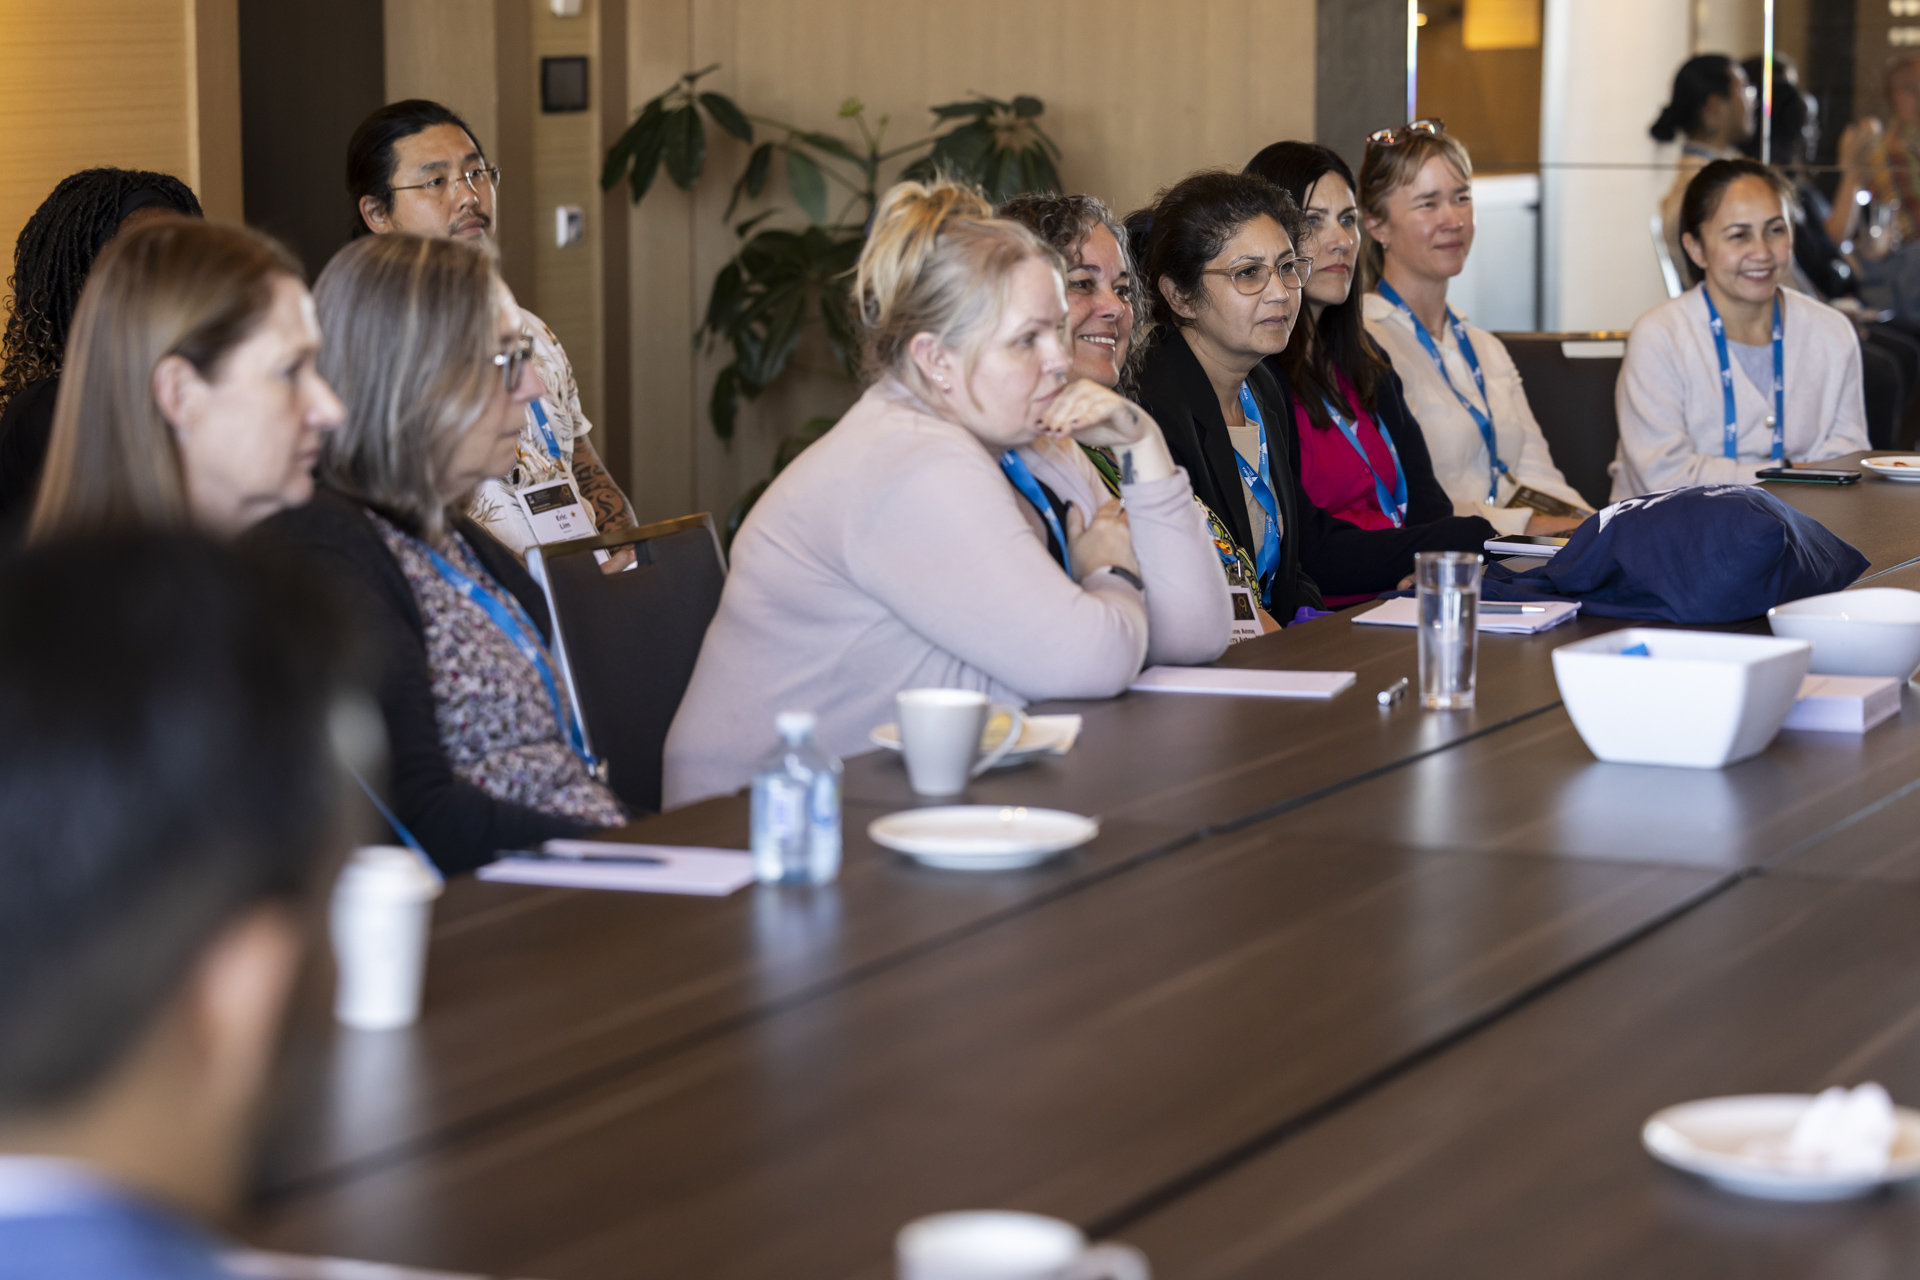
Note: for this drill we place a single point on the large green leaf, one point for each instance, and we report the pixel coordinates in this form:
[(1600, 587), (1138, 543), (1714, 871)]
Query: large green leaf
[(646, 160), (976, 109), (642, 138), (728, 288), (1027, 107), (728, 116), (797, 441), (753, 178), (686, 146), (808, 186)]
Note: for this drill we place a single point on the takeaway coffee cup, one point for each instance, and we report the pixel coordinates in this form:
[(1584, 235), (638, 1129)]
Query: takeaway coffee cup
[(940, 736), (382, 904), (1000, 1245)]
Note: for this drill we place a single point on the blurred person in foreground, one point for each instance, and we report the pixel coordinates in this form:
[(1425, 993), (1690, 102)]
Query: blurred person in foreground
[(913, 545), (431, 355), (51, 261), (171, 816), (191, 394), (415, 167)]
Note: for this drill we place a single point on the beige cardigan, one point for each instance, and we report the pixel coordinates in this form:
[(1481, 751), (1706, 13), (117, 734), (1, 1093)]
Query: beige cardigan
[(1673, 413), (894, 554)]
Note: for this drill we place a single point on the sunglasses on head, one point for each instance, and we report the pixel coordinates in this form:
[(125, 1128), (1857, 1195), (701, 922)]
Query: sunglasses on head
[(1432, 127)]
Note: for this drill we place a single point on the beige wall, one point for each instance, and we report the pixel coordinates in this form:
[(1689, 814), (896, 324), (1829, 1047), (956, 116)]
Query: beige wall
[(1138, 92), (138, 84)]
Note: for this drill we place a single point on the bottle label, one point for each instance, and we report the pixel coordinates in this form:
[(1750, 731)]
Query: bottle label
[(783, 810)]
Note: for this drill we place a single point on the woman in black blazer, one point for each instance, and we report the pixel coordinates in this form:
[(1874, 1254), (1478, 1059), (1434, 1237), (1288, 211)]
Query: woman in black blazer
[(1227, 291)]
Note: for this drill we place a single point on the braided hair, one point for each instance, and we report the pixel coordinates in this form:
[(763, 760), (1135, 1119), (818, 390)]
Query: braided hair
[(55, 252)]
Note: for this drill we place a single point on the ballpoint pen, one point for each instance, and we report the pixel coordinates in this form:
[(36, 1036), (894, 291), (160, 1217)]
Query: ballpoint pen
[(1491, 606), (1391, 694), (614, 859)]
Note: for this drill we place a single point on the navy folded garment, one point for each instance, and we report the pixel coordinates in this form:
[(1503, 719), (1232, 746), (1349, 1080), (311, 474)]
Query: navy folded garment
[(1711, 553)]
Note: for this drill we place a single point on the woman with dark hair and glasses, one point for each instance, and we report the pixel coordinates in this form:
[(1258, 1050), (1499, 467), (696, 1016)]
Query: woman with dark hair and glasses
[(1224, 283), (426, 346), (1362, 458), (1416, 199)]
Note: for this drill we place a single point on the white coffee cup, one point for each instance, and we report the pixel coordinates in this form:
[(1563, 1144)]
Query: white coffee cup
[(381, 907), (1003, 1245), (940, 737)]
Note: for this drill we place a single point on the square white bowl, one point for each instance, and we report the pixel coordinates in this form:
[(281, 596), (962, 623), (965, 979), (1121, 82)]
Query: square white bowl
[(1869, 631), (1699, 699)]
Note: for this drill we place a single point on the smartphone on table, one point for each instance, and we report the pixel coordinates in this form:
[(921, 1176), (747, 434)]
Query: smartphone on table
[(1809, 475)]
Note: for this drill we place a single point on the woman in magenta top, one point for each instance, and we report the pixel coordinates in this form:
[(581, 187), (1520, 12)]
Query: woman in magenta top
[(1362, 457)]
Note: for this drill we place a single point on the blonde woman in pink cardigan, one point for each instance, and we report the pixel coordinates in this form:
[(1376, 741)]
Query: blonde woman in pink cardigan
[(911, 546)]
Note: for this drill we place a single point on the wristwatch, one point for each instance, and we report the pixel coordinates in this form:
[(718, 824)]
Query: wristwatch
[(1125, 575)]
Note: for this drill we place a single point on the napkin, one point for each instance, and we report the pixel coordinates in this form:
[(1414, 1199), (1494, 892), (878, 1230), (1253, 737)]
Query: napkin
[(1404, 611), (1844, 1132)]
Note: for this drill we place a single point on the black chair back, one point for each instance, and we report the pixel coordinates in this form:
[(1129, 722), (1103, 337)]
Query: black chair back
[(626, 642), (1569, 380)]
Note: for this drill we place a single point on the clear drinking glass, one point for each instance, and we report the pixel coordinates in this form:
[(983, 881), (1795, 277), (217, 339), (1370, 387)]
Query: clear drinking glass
[(1448, 586)]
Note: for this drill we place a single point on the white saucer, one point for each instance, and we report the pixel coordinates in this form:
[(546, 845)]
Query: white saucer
[(1042, 735), (1884, 466), (1709, 1138), (981, 837)]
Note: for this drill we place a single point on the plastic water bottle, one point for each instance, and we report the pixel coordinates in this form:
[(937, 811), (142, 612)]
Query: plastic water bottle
[(796, 808)]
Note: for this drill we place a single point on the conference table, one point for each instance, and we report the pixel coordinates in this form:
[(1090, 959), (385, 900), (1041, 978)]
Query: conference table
[(1338, 990)]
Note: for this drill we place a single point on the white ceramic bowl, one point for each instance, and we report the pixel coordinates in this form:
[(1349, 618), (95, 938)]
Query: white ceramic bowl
[(1700, 699), (1869, 631)]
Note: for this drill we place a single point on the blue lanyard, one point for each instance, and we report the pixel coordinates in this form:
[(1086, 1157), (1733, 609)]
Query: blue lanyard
[(518, 627), (1495, 467), (540, 420), (1392, 504), (399, 827), (1017, 471), (1730, 436), (1261, 482)]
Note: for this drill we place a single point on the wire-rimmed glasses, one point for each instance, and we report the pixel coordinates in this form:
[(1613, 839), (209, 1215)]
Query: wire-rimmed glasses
[(513, 364), (441, 186), (1250, 278)]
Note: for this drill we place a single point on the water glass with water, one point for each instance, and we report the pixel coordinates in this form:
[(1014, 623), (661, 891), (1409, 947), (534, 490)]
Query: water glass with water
[(1448, 586)]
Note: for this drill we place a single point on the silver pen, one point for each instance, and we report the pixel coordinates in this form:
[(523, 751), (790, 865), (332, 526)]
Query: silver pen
[(1392, 693)]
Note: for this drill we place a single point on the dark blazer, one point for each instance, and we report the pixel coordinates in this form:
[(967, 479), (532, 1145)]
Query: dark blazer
[(460, 825), (25, 429), (1174, 389), (1346, 559)]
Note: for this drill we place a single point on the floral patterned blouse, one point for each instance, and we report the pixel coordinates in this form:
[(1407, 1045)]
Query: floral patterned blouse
[(497, 722)]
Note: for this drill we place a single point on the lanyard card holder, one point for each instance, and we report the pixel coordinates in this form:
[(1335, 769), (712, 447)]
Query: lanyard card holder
[(555, 510), (1246, 618), (1545, 503)]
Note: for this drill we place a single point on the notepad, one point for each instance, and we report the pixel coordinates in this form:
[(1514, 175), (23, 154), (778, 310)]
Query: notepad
[(1242, 683), (1404, 611), (712, 873), (1844, 704)]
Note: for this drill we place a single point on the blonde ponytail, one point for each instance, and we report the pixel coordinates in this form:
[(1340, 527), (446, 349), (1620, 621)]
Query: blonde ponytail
[(937, 261)]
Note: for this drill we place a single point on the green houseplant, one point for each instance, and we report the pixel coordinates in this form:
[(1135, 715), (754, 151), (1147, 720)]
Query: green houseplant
[(763, 298)]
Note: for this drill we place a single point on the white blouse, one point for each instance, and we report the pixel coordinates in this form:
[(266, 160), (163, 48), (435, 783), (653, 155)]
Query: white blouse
[(1673, 413), (1460, 460)]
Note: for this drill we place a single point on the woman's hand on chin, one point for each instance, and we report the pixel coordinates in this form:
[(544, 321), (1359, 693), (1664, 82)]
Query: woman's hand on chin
[(1095, 415)]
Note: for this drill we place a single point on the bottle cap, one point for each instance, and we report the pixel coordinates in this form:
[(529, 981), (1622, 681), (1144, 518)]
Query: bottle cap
[(794, 725)]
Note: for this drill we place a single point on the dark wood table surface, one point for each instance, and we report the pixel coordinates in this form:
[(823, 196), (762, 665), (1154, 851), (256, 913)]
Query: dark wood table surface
[(1299, 919)]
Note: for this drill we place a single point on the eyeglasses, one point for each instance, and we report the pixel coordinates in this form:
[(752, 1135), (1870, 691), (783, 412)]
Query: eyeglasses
[(1432, 127), (1251, 278), (487, 173), (513, 364)]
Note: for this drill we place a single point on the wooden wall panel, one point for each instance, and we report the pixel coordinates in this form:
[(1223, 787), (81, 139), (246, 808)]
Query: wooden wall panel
[(85, 83), (566, 166), (1138, 93)]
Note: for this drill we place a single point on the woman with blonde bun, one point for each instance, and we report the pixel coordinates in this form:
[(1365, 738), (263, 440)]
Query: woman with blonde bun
[(915, 545)]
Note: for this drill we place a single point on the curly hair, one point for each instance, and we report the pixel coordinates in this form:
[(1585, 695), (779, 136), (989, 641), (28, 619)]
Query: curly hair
[(55, 252), (1191, 222), (1065, 222)]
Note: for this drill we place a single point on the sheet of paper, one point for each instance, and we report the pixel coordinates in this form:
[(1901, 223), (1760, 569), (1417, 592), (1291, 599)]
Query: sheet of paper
[(1243, 683), (290, 1266), (1404, 611), (1844, 704), (708, 872)]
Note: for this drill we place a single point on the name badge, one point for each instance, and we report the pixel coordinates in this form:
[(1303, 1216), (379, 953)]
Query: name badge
[(556, 510), (1246, 617)]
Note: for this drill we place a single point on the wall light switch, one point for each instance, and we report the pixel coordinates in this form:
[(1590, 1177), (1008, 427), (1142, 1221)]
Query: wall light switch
[(569, 225), (566, 8)]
